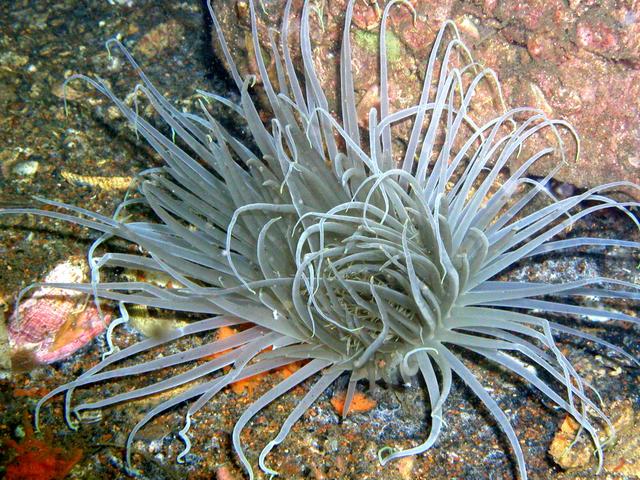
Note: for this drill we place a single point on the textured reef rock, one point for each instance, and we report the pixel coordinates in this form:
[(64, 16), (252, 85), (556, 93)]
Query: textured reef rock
[(576, 60), (624, 459)]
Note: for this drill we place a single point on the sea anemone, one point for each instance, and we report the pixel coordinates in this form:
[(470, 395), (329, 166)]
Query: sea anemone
[(344, 249)]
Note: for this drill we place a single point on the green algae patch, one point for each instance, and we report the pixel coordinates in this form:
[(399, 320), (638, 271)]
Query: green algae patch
[(370, 41)]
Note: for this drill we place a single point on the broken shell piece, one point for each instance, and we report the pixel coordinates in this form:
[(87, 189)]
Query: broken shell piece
[(55, 322)]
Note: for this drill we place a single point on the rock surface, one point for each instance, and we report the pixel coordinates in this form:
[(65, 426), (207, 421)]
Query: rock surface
[(575, 60)]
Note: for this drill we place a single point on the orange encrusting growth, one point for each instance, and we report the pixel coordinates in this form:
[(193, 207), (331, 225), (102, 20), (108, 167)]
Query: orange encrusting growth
[(250, 383), (38, 460), (32, 392), (360, 402)]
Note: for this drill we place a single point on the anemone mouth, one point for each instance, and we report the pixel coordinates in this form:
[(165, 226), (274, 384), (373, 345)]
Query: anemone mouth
[(341, 250)]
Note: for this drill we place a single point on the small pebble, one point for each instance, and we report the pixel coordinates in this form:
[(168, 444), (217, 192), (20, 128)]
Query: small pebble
[(26, 169)]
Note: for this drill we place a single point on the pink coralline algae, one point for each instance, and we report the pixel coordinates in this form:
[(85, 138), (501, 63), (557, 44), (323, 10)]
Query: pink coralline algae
[(54, 322), (596, 37)]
